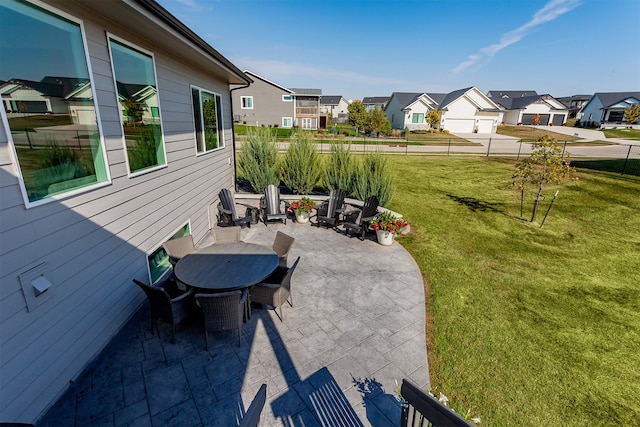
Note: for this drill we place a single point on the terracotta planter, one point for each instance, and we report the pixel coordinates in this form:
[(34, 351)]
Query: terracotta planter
[(302, 217), (385, 238)]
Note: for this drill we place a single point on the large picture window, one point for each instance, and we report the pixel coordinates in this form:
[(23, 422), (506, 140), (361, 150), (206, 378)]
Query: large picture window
[(48, 101), (207, 112), (135, 80)]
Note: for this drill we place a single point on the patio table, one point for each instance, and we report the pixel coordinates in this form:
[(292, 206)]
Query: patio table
[(226, 267)]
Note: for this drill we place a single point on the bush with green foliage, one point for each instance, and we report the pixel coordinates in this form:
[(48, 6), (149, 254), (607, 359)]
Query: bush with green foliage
[(374, 178), (301, 166), (340, 168), (144, 153), (257, 159)]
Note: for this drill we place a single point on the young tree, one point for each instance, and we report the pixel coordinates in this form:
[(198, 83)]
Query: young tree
[(377, 121), (632, 113), (545, 166), (357, 115), (433, 118)]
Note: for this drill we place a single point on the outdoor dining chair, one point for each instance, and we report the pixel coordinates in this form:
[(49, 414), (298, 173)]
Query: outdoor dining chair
[(251, 417), (228, 214), (276, 289), (223, 311), (178, 248), (168, 304), (329, 211), (271, 205), (225, 234), (357, 223), (281, 246)]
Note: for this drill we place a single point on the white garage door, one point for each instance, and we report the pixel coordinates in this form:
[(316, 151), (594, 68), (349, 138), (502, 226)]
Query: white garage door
[(485, 126), (459, 125)]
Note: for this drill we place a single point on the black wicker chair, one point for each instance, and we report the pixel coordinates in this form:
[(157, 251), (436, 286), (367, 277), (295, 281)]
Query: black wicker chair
[(223, 311), (357, 223), (329, 211), (168, 304), (276, 289), (281, 246), (271, 205)]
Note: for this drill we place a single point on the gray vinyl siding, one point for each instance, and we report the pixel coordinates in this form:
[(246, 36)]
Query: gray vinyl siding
[(97, 241), (268, 107)]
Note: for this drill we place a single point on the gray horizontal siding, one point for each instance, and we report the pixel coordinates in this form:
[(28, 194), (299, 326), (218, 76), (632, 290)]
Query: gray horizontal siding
[(97, 241)]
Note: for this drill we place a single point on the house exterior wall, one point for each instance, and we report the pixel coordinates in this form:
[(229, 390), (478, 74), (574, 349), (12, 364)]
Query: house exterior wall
[(463, 109), (541, 108), (592, 111), (394, 113), (403, 119), (96, 242), (268, 106)]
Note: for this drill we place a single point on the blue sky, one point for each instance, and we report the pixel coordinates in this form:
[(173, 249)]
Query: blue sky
[(358, 48)]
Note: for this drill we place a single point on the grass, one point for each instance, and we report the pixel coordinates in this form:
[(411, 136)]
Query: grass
[(527, 325), (31, 122), (532, 133), (622, 133)]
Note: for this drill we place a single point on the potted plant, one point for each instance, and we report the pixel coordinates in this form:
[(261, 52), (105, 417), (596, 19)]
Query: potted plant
[(302, 209), (387, 227)]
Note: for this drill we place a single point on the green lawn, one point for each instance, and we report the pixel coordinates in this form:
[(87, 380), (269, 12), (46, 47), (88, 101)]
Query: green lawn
[(532, 133), (527, 325), (622, 133)]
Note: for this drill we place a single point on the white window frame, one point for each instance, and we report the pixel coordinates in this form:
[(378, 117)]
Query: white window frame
[(221, 139), (417, 115), (14, 154), (242, 102), (289, 119), (307, 123), (115, 85), (287, 98)]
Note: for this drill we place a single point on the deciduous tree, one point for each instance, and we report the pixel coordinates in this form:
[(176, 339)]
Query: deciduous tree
[(433, 118), (377, 121), (632, 113), (545, 166), (357, 115)]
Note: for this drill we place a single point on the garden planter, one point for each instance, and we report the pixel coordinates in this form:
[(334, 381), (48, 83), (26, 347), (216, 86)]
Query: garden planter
[(385, 237), (302, 217)]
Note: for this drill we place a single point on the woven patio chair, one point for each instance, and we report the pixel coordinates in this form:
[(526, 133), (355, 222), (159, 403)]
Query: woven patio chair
[(222, 312), (276, 289), (357, 223), (281, 246), (251, 417), (329, 211), (271, 205), (178, 248), (168, 304), (225, 234), (228, 214)]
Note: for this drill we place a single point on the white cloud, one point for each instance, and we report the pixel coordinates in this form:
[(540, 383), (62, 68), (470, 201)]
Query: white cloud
[(189, 3), (549, 12)]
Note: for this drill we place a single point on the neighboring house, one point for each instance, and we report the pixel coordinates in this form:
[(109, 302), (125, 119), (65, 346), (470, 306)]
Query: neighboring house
[(86, 206), (468, 110), (263, 102), (575, 103), (371, 102), (307, 108), (335, 107), (523, 110), (608, 107), (30, 97), (463, 111), (408, 110)]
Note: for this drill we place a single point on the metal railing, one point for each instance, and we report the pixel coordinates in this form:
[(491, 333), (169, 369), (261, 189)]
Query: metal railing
[(421, 409)]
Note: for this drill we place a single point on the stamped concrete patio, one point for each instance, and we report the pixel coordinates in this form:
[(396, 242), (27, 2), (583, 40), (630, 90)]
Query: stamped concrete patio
[(357, 328)]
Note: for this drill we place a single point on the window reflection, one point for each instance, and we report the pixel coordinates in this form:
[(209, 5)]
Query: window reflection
[(47, 98), (139, 106)]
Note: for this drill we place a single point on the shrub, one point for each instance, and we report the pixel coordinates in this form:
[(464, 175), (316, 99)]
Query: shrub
[(300, 168), (374, 178), (340, 168), (257, 159)]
